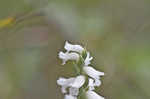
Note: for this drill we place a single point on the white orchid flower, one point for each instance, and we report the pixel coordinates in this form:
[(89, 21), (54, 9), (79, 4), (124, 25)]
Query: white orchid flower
[(93, 95), (91, 72), (70, 47), (88, 59), (70, 97), (68, 56), (74, 83), (91, 84), (65, 83), (78, 82)]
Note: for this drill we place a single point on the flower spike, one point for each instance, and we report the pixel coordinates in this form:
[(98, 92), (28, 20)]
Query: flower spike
[(87, 77)]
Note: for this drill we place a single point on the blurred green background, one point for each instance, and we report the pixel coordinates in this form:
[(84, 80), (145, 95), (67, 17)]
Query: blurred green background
[(116, 32)]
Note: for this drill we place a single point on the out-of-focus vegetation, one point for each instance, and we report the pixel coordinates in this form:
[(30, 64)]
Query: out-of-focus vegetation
[(117, 33)]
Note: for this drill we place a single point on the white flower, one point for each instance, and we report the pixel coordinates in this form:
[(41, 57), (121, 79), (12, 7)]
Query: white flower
[(91, 72), (78, 82), (70, 47), (91, 84), (93, 95), (70, 97), (68, 56), (74, 83), (88, 59), (65, 83)]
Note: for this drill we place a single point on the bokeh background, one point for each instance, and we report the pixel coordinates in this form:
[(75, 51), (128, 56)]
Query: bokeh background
[(32, 32)]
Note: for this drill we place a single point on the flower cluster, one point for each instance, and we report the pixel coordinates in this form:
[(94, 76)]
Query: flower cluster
[(87, 77)]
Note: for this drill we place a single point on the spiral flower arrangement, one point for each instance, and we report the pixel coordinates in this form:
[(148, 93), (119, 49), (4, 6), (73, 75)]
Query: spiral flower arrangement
[(86, 79)]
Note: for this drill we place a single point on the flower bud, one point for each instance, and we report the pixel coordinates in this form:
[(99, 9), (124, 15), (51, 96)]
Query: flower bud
[(88, 59)]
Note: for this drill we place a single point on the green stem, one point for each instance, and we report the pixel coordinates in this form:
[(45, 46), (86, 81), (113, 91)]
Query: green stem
[(77, 69)]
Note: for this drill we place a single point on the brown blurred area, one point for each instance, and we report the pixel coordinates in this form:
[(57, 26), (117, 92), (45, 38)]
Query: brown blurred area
[(116, 32)]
